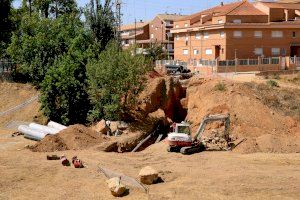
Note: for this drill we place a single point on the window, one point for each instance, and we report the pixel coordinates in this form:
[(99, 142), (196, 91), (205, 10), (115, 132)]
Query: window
[(152, 36), (170, 46), (237, 21), (275, 51), (177, 26), (156, 28), (220, 21), (277, 34), (237, 34), (177, 37), (222, 34), (196, 51), (185, 25), (206, 35), (185, 52), (187, 37), (258, 51), (198, 36), (152, 25), (258, 34), (208, 51), (294, 34)]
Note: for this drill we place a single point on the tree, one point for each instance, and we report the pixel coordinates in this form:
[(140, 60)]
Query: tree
[(6, 25), (114, 81), (64, 96), (40, 41), (101, 21), (155, 52)]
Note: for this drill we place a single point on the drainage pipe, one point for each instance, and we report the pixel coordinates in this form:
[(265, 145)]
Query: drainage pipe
[(30, 133), (55, 125), (42, 128)]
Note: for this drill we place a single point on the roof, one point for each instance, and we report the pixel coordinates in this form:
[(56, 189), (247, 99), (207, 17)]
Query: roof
[(134, 25), (246, 8), (236, 8), (171, 17), (291, 5)]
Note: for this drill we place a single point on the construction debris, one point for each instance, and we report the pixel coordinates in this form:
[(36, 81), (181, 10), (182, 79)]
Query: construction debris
[(126, 180), (116, 188), (53, 157), (64, 161), (148, 175), (77, 163)]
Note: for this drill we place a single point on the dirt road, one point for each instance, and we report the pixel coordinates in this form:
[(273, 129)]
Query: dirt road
[(207, 175)]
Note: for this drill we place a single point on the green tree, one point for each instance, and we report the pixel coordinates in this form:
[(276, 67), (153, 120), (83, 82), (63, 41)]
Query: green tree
[(6, 26), (155, 52), (40, 41), (101, 21), (114, 81), (64, 96)]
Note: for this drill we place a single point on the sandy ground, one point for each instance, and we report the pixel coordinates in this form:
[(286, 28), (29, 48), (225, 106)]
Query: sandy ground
[(206, 175)]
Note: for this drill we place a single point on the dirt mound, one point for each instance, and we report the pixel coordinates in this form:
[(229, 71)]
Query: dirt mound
[(256, 110), (73, 138)]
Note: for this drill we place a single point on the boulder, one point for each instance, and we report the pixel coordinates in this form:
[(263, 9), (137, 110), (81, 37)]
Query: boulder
[(116, 187), (148, 175), (100, 127)]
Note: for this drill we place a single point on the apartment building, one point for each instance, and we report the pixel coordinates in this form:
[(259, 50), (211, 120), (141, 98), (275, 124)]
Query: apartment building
[(239, 30), (156, 31)]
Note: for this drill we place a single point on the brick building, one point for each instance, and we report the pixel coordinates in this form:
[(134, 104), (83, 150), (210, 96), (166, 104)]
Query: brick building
[(158, 31), (239, 30)]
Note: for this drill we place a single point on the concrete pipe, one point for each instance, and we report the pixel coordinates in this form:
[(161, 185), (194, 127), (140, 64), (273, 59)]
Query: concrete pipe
[(55, 125), (30, 133), (42, 128)]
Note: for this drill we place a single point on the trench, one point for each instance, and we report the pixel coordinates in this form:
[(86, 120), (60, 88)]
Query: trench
[(160, 129), (179, 115)]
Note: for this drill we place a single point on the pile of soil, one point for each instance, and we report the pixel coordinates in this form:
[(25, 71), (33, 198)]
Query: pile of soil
[(75, 137), (266, 117)]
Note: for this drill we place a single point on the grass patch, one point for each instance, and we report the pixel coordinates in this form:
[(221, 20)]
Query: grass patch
[(272, 83), (220, 87)]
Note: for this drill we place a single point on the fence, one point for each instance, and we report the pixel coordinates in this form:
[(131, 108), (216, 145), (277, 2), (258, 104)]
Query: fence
[(6, 66), (236, 65)]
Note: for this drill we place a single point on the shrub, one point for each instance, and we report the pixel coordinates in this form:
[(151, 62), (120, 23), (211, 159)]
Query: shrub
[(220, 87), (272, 83), (64, 95), (114, 81)]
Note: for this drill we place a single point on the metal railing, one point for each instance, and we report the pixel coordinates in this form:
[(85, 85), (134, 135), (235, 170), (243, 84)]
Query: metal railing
[(169, 62), (6, 66)]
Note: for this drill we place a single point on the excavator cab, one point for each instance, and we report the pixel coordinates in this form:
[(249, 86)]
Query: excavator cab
[(183, 127)]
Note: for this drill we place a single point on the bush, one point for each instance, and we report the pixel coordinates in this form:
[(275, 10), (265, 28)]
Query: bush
[(114, 81), (220, 87), (64, 95), (272, 83)]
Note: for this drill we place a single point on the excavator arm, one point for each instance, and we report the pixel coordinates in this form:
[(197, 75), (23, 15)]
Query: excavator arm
[(212, 118)]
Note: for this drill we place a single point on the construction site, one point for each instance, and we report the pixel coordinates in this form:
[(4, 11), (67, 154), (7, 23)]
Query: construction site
[(195, 138)]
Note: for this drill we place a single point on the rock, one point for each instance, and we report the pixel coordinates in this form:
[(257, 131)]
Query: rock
[(100, 127), (148, 175), (160, 114), (116, 187)]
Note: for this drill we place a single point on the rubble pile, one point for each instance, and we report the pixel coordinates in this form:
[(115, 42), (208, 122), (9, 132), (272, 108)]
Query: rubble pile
[(216, 141)]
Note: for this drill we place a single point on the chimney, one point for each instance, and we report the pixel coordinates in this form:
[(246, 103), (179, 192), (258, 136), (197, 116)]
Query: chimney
[(222, 3)]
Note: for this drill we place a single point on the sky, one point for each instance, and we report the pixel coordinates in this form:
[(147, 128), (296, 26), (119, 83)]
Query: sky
[(147, 9)]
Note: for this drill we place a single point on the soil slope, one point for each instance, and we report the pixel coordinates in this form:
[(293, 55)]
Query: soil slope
[(262, 115)]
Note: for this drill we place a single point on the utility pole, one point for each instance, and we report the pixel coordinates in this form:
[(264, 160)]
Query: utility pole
[(135, 31), (118, 18)]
